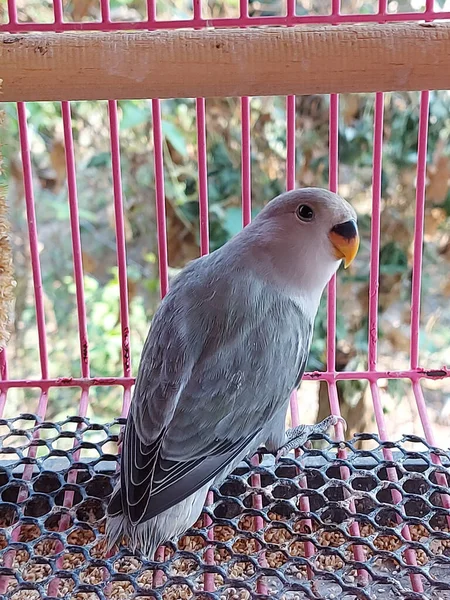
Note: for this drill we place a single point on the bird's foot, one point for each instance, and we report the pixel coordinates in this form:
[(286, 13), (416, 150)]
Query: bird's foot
[(296, 437)]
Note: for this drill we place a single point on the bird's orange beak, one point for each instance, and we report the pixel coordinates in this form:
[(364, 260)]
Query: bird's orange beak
[(345, 240)]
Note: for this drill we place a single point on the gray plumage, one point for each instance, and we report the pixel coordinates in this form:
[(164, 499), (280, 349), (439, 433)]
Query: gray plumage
[(226, 347)]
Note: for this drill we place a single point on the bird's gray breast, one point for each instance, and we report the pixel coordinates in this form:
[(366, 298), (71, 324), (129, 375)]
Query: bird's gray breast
[(251, 378)]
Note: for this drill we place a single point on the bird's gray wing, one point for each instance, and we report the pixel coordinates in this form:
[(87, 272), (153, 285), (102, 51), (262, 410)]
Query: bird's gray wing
[(276, 429), (209, 382)]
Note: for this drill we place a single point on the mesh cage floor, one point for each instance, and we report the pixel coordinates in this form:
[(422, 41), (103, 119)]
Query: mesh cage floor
[(55, 480)]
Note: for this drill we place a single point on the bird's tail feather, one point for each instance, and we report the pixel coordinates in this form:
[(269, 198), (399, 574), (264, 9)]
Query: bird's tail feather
[(115, 529)]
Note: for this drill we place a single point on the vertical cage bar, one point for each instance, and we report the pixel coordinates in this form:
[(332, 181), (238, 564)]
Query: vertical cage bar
[(375, 231), (120, 236), (418, 227), (441, 479), (151, 11), (58, 11), (208, 578), (333, 184), (161, 234), (64, 521), (33, 238), (40, 311), (417, 280), (79, 282), (76, 238), (197, 6), (290, 143), (290, 185), (331, 317), (336, 7), (293, 400), (121, 251), (410, 555), (160, 198), (202, 176), (12, 12), (246, 200), (382, 7), (291, 11), (105, 11), (246, 162), (3, 366), (290, 8), (3, 377), (243, 9)]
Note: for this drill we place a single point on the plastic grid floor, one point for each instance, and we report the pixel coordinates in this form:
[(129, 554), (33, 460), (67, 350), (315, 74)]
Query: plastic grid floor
[(60, 551)]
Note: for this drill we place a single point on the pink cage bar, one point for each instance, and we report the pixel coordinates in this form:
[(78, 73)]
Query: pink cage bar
[(331, 376)]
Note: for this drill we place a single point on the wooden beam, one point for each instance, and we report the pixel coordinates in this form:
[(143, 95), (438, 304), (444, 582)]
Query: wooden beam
[(225, 62)]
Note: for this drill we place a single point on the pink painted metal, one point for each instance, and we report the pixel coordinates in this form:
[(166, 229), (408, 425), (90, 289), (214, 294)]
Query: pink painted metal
[(33, 238), (121, 250), (78, 272), (160, 198), (333, 162), (375, 232), (208, 578), (243, 9), (84, 382), (293, 401), (40, 314), (246, 201), (76, 239), (410, 556), (12, 13), (246, 163), (105, 12), (202, 177), (330, 377), (290, 143), (290, 8), (3, 377), (417, 281), (151, 11), (64, 522), (418, 227), (58, 11), (151, 24)]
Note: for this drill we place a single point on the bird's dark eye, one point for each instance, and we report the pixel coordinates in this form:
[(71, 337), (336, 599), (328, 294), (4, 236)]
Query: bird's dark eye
[(305, 212)]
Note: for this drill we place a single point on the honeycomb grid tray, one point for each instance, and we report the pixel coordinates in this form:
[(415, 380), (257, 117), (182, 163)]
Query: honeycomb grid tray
[(52, 522)]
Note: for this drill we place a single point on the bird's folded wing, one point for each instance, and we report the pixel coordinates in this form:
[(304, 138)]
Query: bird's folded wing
[(202, 395), (154, 484)]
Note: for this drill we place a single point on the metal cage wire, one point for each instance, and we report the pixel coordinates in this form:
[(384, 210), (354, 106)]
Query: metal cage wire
[(394, 503)]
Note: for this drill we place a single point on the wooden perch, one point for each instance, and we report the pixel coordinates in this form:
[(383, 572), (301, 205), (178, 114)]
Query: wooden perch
[(225, 62)]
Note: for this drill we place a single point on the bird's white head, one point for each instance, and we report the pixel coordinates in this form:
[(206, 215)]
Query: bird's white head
[(299, 239)]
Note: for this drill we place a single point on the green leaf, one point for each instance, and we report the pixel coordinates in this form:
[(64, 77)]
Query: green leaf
[(393, 259), (133, 115), (233, 220), (87, 215), (175, 137), (100, 160)]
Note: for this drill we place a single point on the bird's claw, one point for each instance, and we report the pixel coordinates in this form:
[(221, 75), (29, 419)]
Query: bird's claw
[(297, 436)]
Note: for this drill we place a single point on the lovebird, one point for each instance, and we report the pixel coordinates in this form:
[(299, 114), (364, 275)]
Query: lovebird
[(227, 346)]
